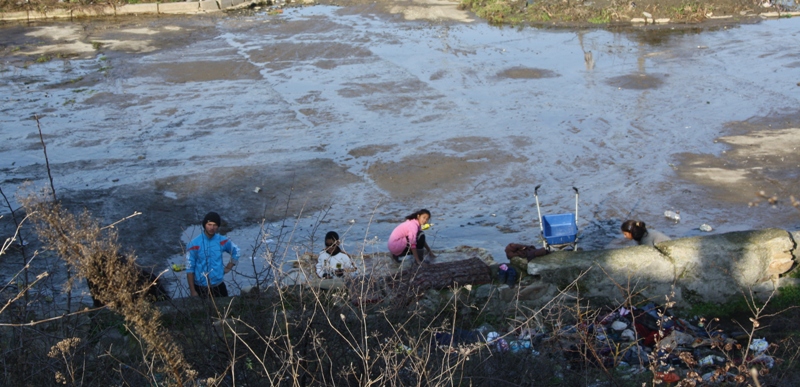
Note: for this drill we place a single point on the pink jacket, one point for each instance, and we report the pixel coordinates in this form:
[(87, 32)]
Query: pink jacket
[(403, 236)]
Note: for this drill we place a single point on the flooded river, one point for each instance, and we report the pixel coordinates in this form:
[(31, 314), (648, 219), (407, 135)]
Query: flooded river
[(347, 119)]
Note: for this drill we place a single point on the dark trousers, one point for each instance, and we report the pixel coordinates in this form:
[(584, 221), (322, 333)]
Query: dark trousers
[(216, 291), (420, 249)]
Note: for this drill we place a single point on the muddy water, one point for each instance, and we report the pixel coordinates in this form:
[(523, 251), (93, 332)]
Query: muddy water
[(347, 119)]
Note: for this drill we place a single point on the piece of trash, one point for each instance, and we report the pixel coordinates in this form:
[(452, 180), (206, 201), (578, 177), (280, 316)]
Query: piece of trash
[(257, 190), (668, 377), (674, 215), (706, 361), (759, 345), (518, 345), (627, 335), (619, 326), (768, 361), (426, 226), (176, 267), (705, 227)]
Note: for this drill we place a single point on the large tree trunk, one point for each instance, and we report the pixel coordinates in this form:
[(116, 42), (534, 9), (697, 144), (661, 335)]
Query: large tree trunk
[(408, 284)]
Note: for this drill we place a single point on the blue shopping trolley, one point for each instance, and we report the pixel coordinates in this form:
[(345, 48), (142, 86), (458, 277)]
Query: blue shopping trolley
[(560, 231)]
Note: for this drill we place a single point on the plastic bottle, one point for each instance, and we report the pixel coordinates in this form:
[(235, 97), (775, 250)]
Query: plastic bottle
[(674, 215)]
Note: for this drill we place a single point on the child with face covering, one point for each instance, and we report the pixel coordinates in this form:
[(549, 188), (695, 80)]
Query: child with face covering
[(333, 262)]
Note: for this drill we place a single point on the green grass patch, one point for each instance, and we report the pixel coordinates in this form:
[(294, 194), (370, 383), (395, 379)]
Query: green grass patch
[(43, 59), (787, 297), (715, 310), (495, 11), (603, 18)]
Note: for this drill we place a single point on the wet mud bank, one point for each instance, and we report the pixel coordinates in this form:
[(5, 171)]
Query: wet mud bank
[(348, 118)]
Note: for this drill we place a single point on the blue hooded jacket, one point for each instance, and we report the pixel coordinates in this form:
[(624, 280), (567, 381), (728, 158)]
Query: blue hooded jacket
[(204, 258)]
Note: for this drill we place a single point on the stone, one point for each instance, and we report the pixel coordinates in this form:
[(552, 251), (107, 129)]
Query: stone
[(209, 6), (133, 9), (60, 13), (519, 264), (431, 301), (711, 268), (90, 12), (720, 266), (484, 291), (675, 339), (506, 293), (179, 8), (537, 291), (36, 15), (225, 4), (14, 15), (57, 13)]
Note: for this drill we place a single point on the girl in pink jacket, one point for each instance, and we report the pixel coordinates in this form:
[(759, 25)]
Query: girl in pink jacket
[(407, 238)]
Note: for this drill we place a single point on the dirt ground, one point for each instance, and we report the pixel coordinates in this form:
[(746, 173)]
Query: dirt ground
[(563, 13)]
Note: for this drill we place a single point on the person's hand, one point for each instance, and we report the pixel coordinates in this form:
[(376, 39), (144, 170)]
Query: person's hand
[(228, 267), (194, 293), (431, 254)]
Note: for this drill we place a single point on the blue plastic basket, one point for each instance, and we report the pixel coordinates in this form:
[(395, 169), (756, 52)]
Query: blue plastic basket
[(559, 229)]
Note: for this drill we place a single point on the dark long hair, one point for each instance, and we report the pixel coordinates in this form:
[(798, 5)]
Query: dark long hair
[(332, 235), (418, 213), (636, 228)]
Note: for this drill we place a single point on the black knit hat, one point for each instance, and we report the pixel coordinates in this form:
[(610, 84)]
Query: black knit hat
[(212, 217)]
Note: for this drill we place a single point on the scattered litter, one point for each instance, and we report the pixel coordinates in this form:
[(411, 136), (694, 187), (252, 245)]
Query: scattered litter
[(705, 227), (631, 340), (674, 215), (257, 190), (176, 267), (171, 195)]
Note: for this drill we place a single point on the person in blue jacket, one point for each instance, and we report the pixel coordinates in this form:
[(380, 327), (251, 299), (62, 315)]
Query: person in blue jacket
[(204, 269)]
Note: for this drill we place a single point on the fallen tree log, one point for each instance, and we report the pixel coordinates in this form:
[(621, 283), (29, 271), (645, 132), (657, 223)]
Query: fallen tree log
[(407, 285)]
